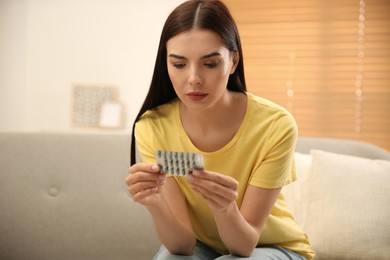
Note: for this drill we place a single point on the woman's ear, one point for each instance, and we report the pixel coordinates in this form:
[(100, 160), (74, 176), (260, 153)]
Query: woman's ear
[(236, 59)]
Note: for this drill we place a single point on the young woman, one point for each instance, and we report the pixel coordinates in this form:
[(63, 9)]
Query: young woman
[(197, 102)]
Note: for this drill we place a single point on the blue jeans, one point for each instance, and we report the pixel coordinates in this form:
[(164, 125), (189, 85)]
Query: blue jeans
[(203, 252)]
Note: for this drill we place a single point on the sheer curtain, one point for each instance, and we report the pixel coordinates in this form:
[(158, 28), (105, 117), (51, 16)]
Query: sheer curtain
[(327, 62)]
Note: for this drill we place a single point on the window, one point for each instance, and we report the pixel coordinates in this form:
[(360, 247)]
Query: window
[(327, 62)]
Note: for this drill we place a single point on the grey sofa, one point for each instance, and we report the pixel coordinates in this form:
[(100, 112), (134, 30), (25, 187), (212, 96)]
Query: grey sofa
[(62, 196)]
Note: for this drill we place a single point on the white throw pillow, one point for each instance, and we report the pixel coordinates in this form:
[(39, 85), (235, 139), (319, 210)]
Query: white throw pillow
[(296, 192), (348, 213)]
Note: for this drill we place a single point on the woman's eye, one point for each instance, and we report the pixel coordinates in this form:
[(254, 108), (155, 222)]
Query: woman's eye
[(179, 65), (211, 65)]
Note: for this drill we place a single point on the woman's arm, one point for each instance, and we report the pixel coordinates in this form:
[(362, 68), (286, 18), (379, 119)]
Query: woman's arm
[(166, 204), (232, 223), (247, 223), (172, 222)]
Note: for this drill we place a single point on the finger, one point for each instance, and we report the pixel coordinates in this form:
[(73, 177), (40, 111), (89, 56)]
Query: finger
[(223, 180), (142, 181), (214, 200), (141, 186), (144, 176), (143, 195), (214, 187), (212, 190), (144, 167)]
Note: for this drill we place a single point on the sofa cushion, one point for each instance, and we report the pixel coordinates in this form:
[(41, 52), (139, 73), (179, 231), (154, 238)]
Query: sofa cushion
[(296, 192), (62, 196), (348, 207)]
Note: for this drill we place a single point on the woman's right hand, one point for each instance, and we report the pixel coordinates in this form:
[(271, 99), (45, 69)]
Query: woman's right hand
[(144, 182)]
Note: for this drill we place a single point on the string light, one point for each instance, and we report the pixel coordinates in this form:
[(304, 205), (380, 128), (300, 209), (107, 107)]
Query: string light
[(360, 70), (290, 81), (291, 67)]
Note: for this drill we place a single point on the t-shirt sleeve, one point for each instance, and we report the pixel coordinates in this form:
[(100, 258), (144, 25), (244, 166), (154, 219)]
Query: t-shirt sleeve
[(277, 167)]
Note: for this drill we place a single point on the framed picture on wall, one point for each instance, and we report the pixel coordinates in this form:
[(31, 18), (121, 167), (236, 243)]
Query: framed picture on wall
[(87, 104), (111, 115)]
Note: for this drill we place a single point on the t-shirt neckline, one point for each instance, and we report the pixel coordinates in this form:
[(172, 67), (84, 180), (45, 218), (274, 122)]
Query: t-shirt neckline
[(237, 135)]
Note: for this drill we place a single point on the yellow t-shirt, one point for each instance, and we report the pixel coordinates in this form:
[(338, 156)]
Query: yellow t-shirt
[(260, 154)]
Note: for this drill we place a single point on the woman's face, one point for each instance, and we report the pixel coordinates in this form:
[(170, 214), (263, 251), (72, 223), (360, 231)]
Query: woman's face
[(199, 66)]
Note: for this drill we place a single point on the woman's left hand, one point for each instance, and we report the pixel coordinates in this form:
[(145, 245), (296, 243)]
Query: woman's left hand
[(218, 190)]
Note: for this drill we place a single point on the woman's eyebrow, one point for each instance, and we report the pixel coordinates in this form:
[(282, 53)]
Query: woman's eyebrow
[(213, 54), (179, 57)]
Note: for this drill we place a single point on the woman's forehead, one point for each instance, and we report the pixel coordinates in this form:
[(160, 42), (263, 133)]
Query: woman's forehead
[(196, 42)]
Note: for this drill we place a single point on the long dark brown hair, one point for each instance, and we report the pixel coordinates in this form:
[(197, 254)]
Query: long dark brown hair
[(211, 15)]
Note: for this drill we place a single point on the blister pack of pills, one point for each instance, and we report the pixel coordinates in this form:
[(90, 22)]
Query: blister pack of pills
[(179, 163)]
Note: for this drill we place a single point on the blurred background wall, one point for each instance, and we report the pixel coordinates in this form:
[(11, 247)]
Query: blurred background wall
[(48, 46)]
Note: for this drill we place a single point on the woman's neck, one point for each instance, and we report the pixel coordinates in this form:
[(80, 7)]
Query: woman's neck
[(223, 110), (213, 128)]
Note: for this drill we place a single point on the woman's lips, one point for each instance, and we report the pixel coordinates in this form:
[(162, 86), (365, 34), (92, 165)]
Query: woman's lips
[(196, 96)]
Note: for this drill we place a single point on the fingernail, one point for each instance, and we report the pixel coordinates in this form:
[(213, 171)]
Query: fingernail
[(196, 173), (155, 168), (155, 189)]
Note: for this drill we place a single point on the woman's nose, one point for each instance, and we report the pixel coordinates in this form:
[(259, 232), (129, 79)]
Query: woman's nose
[(194, 78)]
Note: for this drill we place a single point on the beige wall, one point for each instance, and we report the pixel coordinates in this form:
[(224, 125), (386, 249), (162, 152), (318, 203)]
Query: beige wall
[(47, 46)]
